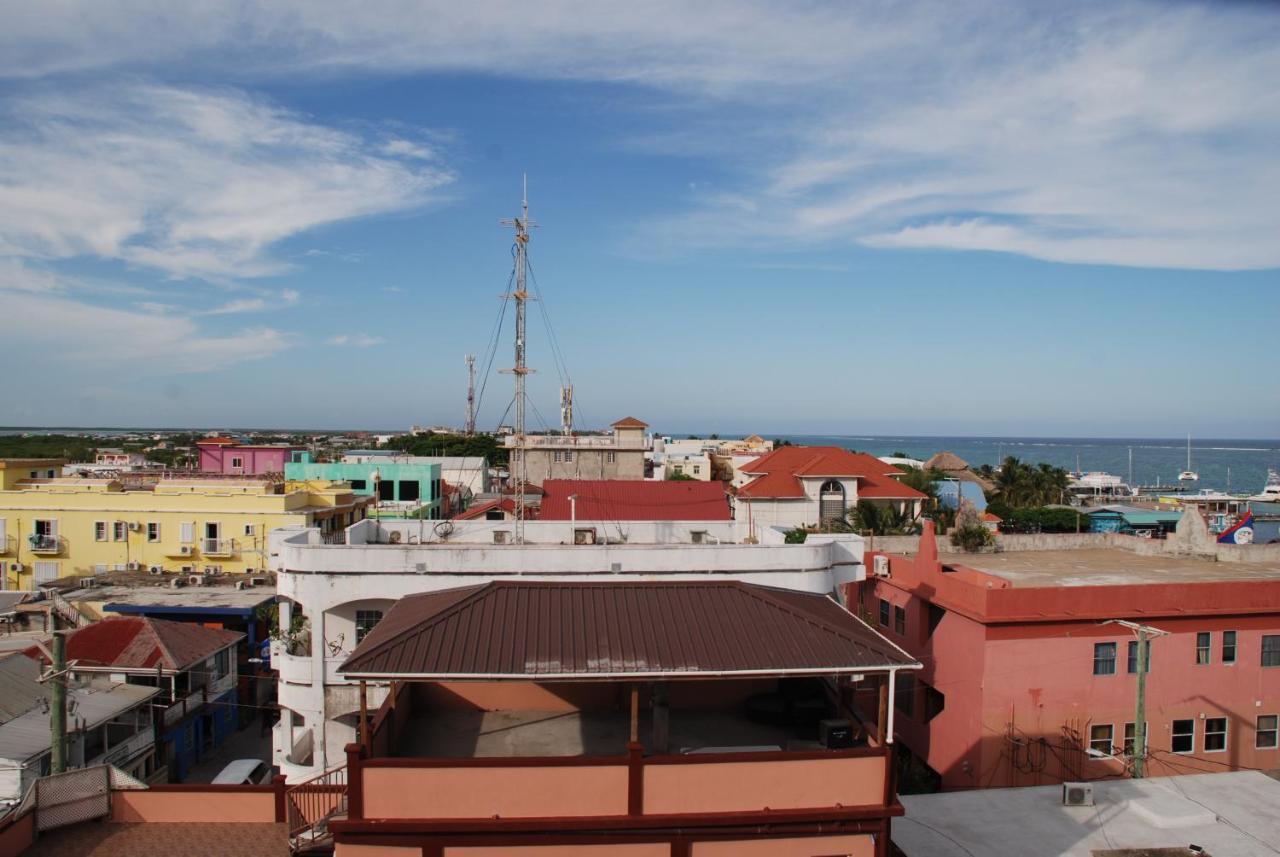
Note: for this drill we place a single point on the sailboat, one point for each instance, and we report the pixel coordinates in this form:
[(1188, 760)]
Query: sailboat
[(1188, 475)]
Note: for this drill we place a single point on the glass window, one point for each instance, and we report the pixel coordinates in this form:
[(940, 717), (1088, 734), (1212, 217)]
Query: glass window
[(1266, 732), (1271, 650), (1130, 735), (222, 663), (1184, 736), (899, 620), (557, 456), (1215, 734), (237, 462), (1204, 642), (1133, 657), (1228, 647), (568, 455), (1100, 735), (365, 621), (410, 490), (359, 484), (153, 532), (99, 531), (884, 613), (1104, 658), (119, 531)]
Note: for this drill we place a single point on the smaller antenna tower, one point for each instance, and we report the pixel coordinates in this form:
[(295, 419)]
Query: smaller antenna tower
[(471, 394)]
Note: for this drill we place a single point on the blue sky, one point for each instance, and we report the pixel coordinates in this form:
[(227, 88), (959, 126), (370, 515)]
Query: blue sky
[(754, 217)]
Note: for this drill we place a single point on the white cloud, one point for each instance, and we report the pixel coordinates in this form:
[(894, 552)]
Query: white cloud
[(191, 182), (241, 305), (355, 340), (290, 296), (68, 331)]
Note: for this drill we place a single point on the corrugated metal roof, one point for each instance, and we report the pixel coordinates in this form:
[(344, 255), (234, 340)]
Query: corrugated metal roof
[(604, 630), (633, 500), (142, 642)]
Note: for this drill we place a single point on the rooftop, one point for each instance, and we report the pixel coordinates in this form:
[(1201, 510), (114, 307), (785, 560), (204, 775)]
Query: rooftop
[(612, 630), (1107, 567), (632, 500), (136, 642), (1231, 813), (196, 598), (782, 469)]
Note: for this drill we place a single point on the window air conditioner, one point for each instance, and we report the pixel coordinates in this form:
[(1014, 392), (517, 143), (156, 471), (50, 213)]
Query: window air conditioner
[(156, 569), (15, 566), (1077, 794), (134, 526), (133, 566), (185, 550), (881, 566)]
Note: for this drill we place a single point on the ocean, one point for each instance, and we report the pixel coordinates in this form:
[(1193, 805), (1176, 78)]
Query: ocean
[(1236, 465)]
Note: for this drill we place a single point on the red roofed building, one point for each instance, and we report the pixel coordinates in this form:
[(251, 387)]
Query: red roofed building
[(800, 485), (194, 667), (618, 500)]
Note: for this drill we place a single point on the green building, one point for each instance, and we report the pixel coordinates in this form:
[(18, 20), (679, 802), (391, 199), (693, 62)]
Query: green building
[(402, 487)]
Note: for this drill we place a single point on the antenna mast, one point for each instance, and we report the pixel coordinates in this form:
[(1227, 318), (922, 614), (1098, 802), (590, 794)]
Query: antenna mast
[(519, 470), (566, 410), (471, 394)]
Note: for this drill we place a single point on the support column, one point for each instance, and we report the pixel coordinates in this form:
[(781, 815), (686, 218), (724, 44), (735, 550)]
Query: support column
[(882, 708), (661, 719)]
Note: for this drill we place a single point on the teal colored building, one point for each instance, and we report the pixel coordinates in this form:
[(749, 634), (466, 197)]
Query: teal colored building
[(409, 485), (1132, 520)]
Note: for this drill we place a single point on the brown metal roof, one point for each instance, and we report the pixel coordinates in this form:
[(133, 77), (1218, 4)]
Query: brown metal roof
[(605, 630)]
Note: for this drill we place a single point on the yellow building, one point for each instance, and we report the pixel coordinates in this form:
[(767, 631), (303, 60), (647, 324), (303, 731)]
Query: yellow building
[(53, 527)]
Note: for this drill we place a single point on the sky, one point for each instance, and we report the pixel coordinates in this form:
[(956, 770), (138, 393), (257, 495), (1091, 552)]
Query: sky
[(931, 218)]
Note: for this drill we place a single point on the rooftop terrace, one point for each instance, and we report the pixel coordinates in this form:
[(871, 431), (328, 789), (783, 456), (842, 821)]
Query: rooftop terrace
[(1106, 567)]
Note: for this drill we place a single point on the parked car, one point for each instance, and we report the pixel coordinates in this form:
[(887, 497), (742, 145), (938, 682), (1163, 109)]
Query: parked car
[(244, 772)]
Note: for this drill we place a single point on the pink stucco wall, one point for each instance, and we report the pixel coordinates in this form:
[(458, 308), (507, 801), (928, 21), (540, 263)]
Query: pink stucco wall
[(713, 787), (617, 849), (482, 792), (193, 805), (254, 460), (810, 846)]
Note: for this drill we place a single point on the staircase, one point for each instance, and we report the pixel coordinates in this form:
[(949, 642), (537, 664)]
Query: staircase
[(66, 612), (311, 805)]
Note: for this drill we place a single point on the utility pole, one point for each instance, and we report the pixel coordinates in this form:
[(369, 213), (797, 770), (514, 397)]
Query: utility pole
[(1144, 633), (58, 704), (519, 470), (471, 394)]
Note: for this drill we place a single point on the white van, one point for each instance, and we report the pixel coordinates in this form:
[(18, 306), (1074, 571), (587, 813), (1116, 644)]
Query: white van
[(244, 772)]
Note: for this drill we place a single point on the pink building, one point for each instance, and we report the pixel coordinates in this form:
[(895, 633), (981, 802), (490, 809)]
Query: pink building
[(1023, 677), (225, 455)]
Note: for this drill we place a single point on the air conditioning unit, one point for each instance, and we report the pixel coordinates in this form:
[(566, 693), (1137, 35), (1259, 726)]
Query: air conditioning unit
[(244, 584), (16, 566), (500, 537), (698, 536), (212, 569), (177, 583), (196, 580), (880, 565), (134, 526), (1077, 794), (133, 566), (185, 550), (187, 569), (156, 569)]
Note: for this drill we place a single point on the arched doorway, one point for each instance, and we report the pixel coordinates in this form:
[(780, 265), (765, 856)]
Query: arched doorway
[(831, 501)]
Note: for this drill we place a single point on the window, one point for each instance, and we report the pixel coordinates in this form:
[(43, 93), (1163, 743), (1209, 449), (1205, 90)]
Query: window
[(697, 468), (359, 484), (1204, 642), (119, 531), (1266, 732), (1104, 658), (1228, 647), (410, 490), (1271, 650), (153, 532), (1100, 736), (222, 664), (248, 529), (1184, 736), (99, 531), (611, 457), (1130, 735), (1133, 657), (45, 571), (386, 491), (831, 501), (557, 456), (188, 532), (899, 620), (1215, 734), (884, 613), (568, 455), (905, 694), (365, 622)]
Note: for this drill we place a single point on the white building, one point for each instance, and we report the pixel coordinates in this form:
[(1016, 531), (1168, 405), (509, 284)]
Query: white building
[(343, 590), (695, 465)]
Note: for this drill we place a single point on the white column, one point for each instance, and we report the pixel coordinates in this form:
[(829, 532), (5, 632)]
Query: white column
[(893, 686)]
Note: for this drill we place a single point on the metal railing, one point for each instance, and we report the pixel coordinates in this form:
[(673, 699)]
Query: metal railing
[(310, 805), (45, 544), (217, 547), (127, 749), (338, 537)]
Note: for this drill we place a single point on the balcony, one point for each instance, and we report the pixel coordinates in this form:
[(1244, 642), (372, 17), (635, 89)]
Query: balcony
[(180, 551), (292, 669), (121, 754), (8, 545), (46, 545), (196, 699), (218, 547)]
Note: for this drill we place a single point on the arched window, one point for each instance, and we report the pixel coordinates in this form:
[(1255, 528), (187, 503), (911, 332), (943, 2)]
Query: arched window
[(831, 505)]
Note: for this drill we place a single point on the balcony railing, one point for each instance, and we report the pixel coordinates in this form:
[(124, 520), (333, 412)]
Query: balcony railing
[(46, 544), (121, 753), (8, 545), (217, 547), (590, 441)]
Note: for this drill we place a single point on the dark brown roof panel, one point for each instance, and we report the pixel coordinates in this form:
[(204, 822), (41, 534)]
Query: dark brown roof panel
[(602, 630)]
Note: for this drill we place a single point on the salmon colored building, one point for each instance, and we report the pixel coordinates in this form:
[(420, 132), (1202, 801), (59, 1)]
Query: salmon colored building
[(227, 456), (1026, 682), (637, 719)]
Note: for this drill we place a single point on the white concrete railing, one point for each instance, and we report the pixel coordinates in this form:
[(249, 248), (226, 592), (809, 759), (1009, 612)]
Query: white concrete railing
[(130, 747), (589, 441), (292, 669)]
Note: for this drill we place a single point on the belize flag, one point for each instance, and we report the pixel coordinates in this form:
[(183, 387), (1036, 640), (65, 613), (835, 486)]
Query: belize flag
[(1240, 533)]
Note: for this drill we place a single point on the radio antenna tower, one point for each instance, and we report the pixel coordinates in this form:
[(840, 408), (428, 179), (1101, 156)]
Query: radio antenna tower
[(471, 394), (566, 410), (519, 470)]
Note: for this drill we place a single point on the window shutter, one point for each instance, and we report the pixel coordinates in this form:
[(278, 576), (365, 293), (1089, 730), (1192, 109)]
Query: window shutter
[(188, 532), (2, 531)]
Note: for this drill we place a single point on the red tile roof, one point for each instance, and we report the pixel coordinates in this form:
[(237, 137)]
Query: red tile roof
[(782, 469), (630, 422), (613, 630), (479, 510), (141, 642), (633, 500)]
